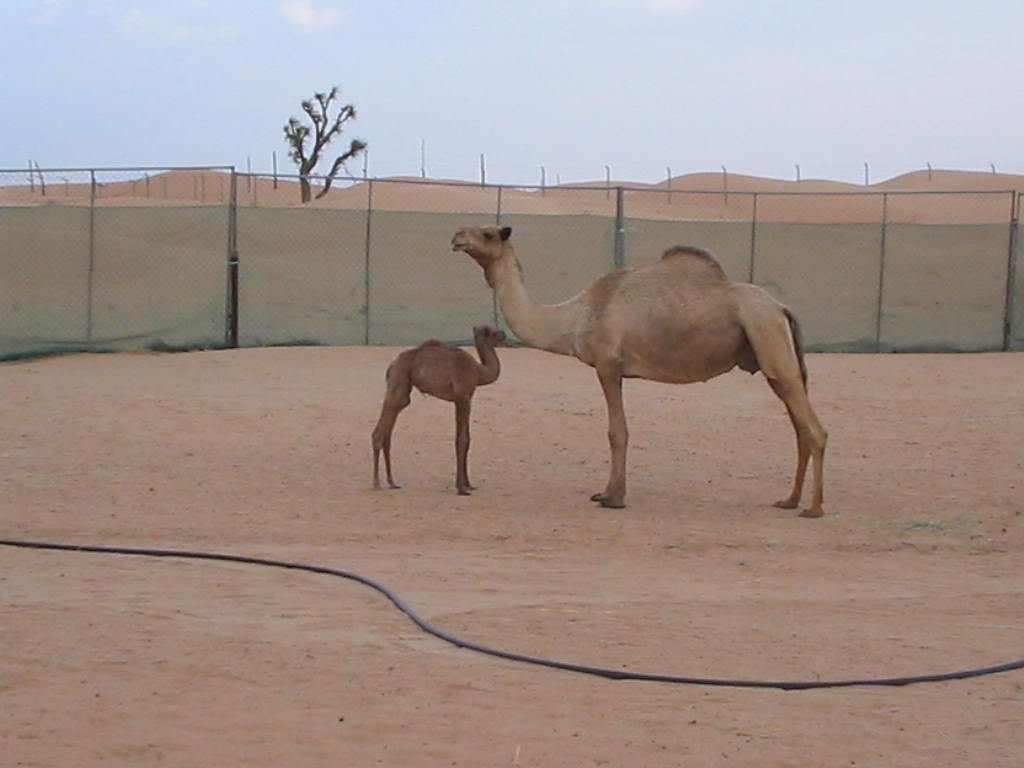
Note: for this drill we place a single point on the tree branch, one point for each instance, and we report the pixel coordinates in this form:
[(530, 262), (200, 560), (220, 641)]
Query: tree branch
[(322, 132), (354, 149)]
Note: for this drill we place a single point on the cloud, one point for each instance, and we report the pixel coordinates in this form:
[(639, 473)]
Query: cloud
[(310, 17), (150, 25)]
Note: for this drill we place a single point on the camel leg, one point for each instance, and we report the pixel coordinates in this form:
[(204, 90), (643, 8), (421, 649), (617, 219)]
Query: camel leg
[(462, 410), (776, 341), (810, 443), (614, 494), (394, 401)]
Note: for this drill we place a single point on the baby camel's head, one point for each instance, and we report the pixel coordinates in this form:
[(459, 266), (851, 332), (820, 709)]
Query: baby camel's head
[(487, 336)]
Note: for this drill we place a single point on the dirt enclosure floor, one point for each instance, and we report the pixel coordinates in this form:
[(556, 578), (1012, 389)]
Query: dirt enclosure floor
[(917, 567)]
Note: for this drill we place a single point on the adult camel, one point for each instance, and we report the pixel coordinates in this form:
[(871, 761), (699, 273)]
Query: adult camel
[(678, 320)]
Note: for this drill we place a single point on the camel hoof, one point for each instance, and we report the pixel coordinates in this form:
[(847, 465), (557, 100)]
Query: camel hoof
[(605, 501), (463, 492), (813, 513), (786, 504)]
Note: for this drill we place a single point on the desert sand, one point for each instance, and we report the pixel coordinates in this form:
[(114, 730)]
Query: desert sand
[(915, 569), (939, 196)]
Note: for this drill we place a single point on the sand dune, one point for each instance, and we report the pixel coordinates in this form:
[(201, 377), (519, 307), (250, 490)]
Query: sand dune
[(701, 196)]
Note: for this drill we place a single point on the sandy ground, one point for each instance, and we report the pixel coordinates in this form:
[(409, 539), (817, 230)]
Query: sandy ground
[(917, 568)]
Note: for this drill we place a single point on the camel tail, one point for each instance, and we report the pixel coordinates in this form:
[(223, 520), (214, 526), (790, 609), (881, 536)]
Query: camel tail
[(775, 339), (798, 342)]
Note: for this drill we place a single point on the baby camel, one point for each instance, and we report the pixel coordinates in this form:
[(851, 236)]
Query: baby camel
[(448, 373)]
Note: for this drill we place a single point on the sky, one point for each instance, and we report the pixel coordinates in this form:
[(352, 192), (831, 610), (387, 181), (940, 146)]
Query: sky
[(579, 88)]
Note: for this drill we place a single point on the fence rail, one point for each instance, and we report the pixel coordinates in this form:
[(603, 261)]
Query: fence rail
[(130, 258)]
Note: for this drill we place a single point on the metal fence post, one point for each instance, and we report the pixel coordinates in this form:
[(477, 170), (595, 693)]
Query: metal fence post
[(92, 257), (753, 237), (366, 264), (881, 272), (231, 329), (494, 295), (620, 228), (1011, 270)]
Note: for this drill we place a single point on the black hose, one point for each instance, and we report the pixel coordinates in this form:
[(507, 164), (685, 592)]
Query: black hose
[(611, 674)]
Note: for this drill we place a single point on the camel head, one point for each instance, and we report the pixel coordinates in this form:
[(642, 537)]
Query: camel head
[(491, 337), (487, 245)]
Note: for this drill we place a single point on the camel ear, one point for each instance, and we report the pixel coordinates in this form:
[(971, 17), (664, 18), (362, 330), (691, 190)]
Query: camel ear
[(506, 233)]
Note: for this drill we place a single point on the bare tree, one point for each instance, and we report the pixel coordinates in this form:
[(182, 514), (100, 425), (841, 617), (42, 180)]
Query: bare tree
[(322, 132)]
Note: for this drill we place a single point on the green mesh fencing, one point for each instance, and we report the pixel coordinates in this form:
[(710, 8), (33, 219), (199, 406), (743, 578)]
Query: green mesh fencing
[(944, 287), (829, 275), (561, 255), (301, 276), (44, 288), (115, 262), (419, 288), (1015, 296), (729, 241), (158, 278), (111, 278)]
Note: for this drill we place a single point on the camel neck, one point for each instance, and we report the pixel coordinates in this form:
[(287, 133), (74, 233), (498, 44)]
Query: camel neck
[(544, 326), (490, 366)]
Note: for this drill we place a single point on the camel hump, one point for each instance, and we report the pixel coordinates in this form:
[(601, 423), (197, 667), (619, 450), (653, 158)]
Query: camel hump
[(690, 252), (697, 257)]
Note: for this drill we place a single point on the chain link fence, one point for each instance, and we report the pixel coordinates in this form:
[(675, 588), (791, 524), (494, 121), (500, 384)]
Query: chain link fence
[(186, 258), (112, 259), (867, 271)]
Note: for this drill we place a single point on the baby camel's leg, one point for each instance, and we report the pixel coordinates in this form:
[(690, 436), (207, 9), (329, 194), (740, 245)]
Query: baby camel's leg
[(396, 398), (462, 410)]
